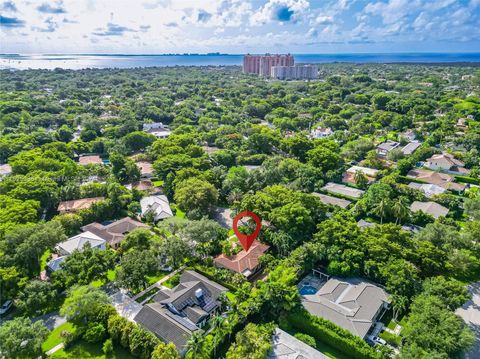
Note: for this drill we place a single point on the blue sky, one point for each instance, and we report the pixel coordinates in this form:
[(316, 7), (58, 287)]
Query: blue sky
[(238, 26)]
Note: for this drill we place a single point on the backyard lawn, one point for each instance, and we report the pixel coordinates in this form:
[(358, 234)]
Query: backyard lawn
[(155, 278), (325, 348), (54, 337), (110, 276), (179, 213), (86, 350)]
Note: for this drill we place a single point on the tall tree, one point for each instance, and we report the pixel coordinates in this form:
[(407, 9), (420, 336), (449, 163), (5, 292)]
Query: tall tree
[(20, 338)]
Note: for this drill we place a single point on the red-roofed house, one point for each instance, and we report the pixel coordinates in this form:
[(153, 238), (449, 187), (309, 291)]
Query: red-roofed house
[(245, 263), (90, 160)]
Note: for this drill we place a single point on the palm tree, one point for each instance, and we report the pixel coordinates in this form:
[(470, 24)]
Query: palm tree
[(401, 209), (194, 344), (399, 304), (360, 179), (382, 209), (217, 325)]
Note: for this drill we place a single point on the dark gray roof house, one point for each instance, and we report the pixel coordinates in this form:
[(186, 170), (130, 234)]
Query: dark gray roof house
[(352, 304), (178, 312)]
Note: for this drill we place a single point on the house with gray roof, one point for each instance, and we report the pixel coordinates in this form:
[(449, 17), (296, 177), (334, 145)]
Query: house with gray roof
[(286, 346), (333, 201), (55, 264), (353, 304), (115, 232), (158, 205), (411, 147), (432, 208), (177, 313), (343, 190), (78, 242), (386, 147)]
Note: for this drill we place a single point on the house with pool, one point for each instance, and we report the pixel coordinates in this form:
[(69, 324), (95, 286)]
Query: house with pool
[(353, 304)]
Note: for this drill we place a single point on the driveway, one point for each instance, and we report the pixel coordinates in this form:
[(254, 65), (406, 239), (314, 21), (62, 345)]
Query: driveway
[(51, 320), (125, 306), (470, 312)]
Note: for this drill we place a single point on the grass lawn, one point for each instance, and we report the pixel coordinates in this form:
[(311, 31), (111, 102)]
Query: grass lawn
[(54, 337), (330, 351), (173, 281), (155, 278), (110, 276), (86, 350), (43, 259), (326, 349), (158, 183), (179, 213)]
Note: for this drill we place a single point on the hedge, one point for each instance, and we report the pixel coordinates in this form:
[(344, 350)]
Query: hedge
[(326, 331), (466, 179), (201, 270)]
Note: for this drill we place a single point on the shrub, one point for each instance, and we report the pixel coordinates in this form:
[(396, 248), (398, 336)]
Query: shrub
[(307, 339), (108, 347), (95, 333), (391, 339), (326, 331), (69, 338)]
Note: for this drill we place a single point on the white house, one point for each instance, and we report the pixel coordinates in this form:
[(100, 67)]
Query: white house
[(159, 205), (321, 132), (446, 162), (79, 241), (157, 129), (5, 170)]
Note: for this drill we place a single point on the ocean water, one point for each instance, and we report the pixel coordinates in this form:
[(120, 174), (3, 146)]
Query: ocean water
[(81, 61)]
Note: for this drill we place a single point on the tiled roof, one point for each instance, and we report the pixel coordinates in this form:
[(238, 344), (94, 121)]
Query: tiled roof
[(174, 315), (146, 168), (343, 190), (159, 205), (388, 145), (351, 304), (79, 241), (443, 180), (432, 208), (445, 159), (114, 232), (243, 261), (87, 160), (286, 346), (332, 200), (78, 204)]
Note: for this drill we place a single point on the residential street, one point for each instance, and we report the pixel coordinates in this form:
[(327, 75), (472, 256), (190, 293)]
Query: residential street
[(470, 312)]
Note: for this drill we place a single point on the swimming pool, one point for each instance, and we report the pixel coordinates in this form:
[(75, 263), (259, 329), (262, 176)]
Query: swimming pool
[(307, 290)]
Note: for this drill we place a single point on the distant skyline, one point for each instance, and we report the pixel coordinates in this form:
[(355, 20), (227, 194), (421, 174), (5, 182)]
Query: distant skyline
[(239, 26)]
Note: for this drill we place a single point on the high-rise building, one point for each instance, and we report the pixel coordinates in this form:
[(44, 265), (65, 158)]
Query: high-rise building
[(306, 72), (262, 64)]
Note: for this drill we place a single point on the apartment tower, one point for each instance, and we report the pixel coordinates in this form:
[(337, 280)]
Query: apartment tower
[(262, 64)]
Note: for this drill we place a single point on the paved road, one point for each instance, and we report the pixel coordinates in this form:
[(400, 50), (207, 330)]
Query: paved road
[(470, 312), (51, 320)]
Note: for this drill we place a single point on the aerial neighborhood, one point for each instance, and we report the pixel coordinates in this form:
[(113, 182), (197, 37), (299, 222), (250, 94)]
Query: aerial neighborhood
[(119, 191)]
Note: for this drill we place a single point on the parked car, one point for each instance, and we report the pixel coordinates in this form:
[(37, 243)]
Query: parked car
[(376, 340), (5, 307)]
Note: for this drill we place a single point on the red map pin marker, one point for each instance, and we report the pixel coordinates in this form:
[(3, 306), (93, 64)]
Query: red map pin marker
[(246, 240)]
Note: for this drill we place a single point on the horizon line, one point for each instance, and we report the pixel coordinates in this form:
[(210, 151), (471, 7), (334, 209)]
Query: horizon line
[(216, 53)]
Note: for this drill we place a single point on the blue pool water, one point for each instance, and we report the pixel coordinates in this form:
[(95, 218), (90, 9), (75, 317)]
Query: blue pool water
[(308, 289)]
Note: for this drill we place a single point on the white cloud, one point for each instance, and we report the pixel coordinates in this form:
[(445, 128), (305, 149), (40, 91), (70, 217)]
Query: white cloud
[(159, 26), (280, 11), (324, 20)]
